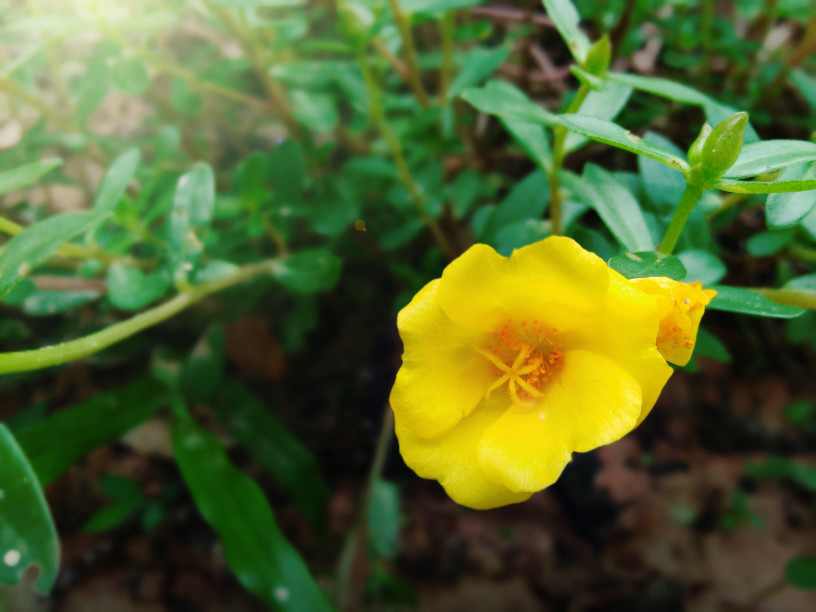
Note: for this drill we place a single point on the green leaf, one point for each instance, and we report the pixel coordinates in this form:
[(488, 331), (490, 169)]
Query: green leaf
[(436, 7), (54, 444), (507, 101), (649, 263), (36, 243), (664, 184), (45, 302), (309, 271), (801, 413), (255, 427), (532, 138), (613, 134), (112, 516), (384, 519), (604, 104), (203, 370), (801, 572), (129, 74), (788, 209), (233, 504), (599, 56), (27, 533), (764, 186), (806, 84), (193, 204), (27, 174), (802, 283), (527, 200), (661, 87), (746, 301), (761, 157), (131, 289), (116, 180), (708, 345), (287, 172), (477, 65), (566, 19), (618, 208), (769, 242), (702, 266), (317, 111), (195, 195)]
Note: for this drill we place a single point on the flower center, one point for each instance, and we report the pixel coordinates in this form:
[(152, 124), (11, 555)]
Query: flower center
[(526, 356)]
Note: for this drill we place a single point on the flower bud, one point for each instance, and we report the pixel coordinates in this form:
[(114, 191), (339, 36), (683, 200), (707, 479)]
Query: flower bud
[(598, 57), (723, 146), (695, 151)]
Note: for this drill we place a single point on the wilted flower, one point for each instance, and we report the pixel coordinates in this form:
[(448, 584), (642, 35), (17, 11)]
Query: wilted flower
[(512, 364)]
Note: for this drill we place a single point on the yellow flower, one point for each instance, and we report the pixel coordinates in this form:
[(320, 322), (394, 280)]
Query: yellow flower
[(680, 307), (512, 364)]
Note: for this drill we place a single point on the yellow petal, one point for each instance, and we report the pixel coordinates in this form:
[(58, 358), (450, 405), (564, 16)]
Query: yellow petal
[(451, 459), (442, 377), (624, 330), (554, 281), (681, 307), (591, 403)]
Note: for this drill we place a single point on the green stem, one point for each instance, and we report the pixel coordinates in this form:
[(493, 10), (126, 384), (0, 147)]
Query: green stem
[(687, 203), (415, 78), (558, 155), (24, 361), (395, 147), (447, 27), (345, 567), (802, 253)]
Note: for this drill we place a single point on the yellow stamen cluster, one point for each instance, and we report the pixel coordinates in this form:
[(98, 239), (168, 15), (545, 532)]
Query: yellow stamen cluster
[(532, 354)]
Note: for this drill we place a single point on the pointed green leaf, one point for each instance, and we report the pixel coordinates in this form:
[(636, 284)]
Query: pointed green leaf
[(116, 180), (788, 209), (507, 101), (603, 104), (649, 263), (309, 271), (566, 19), (36, 243), (195, 194), (761, 157), (746, 301), (54, 444), (618, 208), (661, 87), (702, 266), (384, 519), (27, 174), (234, 505), (131, 289), (792, 186), (477, 65), (613, 134), (256, 427), (533, 139), (27, 533)]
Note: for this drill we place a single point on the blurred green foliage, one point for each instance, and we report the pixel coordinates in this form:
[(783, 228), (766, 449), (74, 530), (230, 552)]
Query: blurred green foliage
[(155, 153)]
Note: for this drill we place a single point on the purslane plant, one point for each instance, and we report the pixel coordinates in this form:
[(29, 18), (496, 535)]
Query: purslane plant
[(511, 363)]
